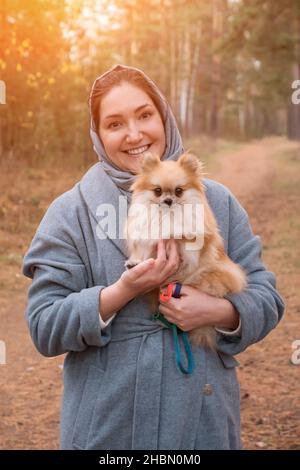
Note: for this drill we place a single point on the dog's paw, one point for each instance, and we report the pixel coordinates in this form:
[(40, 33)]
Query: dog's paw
[(189, 235), (130, 264)]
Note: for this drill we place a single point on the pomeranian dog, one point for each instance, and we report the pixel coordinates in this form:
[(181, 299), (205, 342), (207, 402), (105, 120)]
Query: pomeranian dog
[(168, 201)]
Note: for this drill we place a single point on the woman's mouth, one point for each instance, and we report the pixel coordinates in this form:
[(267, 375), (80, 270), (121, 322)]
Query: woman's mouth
[(138, 150)]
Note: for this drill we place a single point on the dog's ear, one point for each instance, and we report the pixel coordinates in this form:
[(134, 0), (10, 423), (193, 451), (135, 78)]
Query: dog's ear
[(191, 163), (150, 161)]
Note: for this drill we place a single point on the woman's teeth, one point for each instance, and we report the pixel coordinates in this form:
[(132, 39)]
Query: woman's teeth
[(139, 150)]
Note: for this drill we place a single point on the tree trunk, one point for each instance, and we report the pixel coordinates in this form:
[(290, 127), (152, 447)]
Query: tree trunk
[(195, 59), (217, 26), (2, 111)]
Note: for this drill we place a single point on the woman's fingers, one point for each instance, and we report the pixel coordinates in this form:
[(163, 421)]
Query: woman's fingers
[(167, 307), (168, 245), (173, 257), (140, 269), (153, 272), (161, 251)]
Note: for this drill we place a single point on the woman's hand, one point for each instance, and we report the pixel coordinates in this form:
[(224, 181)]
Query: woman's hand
[(153, 273), (143, 278), (195, 309)]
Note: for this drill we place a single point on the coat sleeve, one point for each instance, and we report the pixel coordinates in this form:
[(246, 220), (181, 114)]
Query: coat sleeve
[(259, 305), (62, 311)]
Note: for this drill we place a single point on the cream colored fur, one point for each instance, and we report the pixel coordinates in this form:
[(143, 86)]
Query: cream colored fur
[(205, 264)]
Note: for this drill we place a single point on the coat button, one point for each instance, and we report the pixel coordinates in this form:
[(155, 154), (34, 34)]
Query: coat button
[(207, 389)]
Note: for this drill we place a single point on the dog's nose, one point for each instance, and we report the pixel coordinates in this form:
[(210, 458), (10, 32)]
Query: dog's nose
[(168, 201)]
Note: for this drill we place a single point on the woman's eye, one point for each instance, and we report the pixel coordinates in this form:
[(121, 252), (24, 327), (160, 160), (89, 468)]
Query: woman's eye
[(145, 115), (114, 125), (178, 191), (157, 191)]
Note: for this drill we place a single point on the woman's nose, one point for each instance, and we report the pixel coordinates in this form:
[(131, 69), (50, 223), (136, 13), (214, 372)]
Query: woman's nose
[(133, 134)]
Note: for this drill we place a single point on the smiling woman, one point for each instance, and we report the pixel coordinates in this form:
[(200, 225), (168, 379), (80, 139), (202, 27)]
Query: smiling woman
[(122, 387), (128, 128)]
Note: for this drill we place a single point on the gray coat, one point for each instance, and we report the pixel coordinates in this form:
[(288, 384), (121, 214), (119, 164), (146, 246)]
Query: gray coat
[(122, 387)]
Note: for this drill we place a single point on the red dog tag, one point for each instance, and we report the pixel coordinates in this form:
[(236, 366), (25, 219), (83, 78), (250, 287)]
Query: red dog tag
[(165, 295)]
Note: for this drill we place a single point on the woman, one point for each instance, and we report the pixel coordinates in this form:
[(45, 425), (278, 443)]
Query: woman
[(122, 387)]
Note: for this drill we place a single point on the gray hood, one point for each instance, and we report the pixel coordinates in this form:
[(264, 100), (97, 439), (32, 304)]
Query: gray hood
[(174, 146)]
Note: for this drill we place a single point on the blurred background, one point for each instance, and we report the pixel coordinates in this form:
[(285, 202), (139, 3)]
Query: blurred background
[(228, 68)]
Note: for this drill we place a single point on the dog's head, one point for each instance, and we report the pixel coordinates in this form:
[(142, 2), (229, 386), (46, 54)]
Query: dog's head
[(170, 182)]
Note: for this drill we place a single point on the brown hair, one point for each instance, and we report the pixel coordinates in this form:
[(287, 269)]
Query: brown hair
[(115, 77)]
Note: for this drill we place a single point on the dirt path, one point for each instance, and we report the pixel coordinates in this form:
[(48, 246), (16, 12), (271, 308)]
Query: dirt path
[(269, 381), (31, 385)]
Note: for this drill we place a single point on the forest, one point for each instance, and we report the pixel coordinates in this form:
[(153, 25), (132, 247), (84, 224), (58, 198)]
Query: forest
[(231, 72), (228, 67)]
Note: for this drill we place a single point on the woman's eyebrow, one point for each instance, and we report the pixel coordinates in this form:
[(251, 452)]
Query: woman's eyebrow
[(120, 115)]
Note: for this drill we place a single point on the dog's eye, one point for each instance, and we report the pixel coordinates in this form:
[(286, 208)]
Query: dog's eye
[(178, 191), (157, 191)]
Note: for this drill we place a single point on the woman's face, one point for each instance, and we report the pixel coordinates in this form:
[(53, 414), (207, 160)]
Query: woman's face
[(130, 125)]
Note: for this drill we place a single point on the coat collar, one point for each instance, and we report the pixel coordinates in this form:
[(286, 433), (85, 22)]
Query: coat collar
[(100, 194), (105, 202)]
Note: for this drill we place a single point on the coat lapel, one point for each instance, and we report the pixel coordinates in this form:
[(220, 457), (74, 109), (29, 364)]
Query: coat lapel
[(107, 205)]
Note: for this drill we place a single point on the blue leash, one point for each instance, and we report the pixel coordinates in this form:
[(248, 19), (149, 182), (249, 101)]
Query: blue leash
[(185, 337)]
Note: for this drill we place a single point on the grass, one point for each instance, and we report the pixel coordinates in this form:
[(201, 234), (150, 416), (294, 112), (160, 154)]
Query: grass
[(26, 194), (11, 259), (208, 149), (284, 243)]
